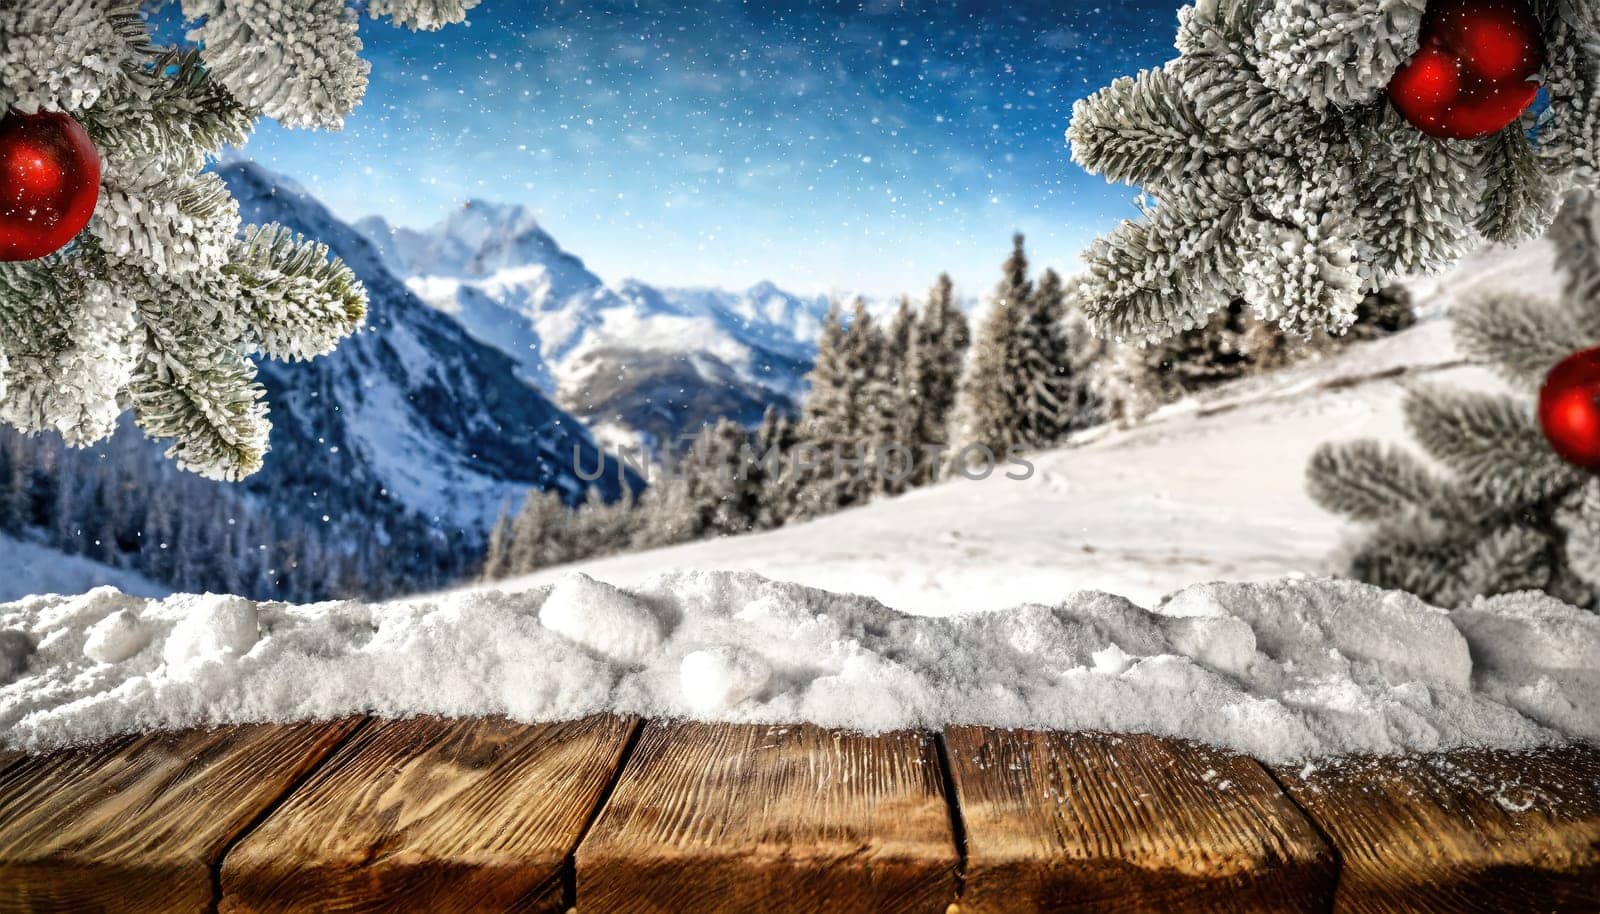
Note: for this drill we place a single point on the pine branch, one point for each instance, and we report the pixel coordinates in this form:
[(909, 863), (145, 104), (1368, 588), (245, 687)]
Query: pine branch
[(1298, 263), (1576, 236), (297, 62), (1579, 520), (194, 385), (1336, 53), (1521, 338), (64, 341), (169, 119), (1369, 481), (185, 224), (1569, 133), (300, 304), (1417, 197), (1166, 273), (1414, 555), (1492, 443), (1220, 75), (1519, 200), (65, 54), (1508, 560), (1140, 130), (423, 15)]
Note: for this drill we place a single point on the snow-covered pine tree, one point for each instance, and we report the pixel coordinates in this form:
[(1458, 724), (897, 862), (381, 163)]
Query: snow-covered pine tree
[(161, 304), (724, 491), (1506, 514), (826, 421), (1274, 169), (775, 441), (936, 359), (497, 557), (539, 533), (890, 409), (1020, 390), (990, 413), (833, 452), (1051, 396)]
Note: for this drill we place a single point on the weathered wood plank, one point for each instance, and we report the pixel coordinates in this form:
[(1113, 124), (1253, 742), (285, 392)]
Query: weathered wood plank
[(1461, 831), (1091, 822), (136, 824), (433, 815), (713, 818)]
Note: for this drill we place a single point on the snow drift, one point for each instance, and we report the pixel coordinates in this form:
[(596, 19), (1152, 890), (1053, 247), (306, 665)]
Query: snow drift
[(1282, 670)]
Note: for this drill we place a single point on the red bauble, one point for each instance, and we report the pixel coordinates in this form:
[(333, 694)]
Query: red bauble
[(49, 183), (1474, 74), (1569, 409)]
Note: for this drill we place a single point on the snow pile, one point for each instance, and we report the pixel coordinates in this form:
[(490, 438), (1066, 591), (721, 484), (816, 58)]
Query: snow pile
[(1282, 670)]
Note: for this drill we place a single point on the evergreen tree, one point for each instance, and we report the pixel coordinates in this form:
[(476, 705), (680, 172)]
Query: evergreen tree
[(160, 303), (1507, 514), (724, 480), (1020, 391), (497, 556), (1050, 395), (937, 356), (891, 414), (539, 533), (832, 421), (1273, 168), (668, 515), (775, 441)]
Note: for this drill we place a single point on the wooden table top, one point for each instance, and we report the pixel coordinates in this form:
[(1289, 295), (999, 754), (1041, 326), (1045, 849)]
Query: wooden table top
[(616, 814)]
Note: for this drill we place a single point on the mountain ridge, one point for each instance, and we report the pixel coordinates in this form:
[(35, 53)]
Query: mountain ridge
[(659, 362), (411, 414)]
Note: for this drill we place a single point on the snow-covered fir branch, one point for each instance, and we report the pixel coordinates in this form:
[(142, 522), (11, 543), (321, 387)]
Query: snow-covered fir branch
[(160, 305)]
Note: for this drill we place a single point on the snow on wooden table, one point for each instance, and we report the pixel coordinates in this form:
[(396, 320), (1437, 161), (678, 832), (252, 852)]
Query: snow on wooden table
[(612, 814)]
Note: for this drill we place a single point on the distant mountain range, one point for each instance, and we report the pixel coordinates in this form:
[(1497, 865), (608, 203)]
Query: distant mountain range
[(634, 361), (412, 419)]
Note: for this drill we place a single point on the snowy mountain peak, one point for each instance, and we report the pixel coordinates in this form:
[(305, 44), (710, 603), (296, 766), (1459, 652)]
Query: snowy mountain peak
[(415, 407), (478, 240)]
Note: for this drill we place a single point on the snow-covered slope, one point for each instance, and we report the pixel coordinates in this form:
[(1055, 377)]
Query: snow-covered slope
[(412, 411), (1211, 488), (656, 361), (33, 569)]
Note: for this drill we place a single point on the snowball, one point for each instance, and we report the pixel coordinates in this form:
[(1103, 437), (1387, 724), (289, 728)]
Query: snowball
[(1225, 645), (601, 618), (211, 627), (1112, 660), (719, 678), (15, 649), (116, 638)]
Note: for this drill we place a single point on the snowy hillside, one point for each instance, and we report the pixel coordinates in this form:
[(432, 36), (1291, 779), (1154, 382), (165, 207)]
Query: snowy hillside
[(412, 412), (33, 569), (654, 361), (1211, 488)]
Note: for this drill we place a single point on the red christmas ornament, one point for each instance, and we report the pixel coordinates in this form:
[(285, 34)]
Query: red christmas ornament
[(1474, 74), (49, 183), (1569, 409)]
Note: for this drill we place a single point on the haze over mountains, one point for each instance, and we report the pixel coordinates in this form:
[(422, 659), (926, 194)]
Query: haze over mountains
[(634, 360)]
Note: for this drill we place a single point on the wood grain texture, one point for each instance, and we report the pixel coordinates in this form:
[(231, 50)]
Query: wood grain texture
[(136, 824), (1461, 832), (713, 818), (1090, 822), (433, 815)]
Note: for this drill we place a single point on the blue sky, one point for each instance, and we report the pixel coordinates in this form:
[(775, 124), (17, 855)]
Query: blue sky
[(823, 146)]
